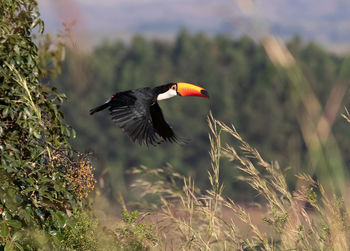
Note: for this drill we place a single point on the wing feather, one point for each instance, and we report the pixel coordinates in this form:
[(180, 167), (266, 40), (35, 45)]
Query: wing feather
[(160, 126), (141, 120), (134, 119)]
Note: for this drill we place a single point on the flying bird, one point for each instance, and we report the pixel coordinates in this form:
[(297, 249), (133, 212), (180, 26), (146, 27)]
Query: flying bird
[(138, 114)]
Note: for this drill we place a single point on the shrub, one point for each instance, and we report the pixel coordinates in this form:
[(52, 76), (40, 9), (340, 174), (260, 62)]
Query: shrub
[(81, 233), (36, 191)]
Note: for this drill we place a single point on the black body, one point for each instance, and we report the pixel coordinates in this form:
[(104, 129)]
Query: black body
[(139, 115)]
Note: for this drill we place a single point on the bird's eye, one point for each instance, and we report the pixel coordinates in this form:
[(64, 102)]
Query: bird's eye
[(174, 87)]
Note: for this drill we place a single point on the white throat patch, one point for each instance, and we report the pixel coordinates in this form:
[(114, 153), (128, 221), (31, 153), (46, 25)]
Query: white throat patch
[(168, 94)]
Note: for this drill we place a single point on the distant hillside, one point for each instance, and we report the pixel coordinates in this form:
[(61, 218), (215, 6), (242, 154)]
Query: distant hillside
[(327, 22)]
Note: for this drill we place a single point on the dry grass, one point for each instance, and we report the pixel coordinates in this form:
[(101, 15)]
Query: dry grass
[(313, 216), (346, 115), (308, 218)]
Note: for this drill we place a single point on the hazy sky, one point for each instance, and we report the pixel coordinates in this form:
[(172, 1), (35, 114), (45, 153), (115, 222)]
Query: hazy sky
[(325, 20)]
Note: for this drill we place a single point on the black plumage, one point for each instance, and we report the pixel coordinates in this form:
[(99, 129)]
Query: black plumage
[(139, 115)]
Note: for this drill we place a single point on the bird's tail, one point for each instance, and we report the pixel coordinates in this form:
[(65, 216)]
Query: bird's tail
[(99, 108)]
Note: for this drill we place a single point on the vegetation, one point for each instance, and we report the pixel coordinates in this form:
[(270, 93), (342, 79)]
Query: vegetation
[(132, 235), (45, 183), (309, 218), (37, 193)]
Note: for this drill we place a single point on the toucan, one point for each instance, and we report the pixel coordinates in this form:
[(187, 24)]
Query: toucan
[(138, 114)]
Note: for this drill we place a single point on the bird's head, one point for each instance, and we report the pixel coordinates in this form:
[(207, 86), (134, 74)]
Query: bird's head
[(181, 89)]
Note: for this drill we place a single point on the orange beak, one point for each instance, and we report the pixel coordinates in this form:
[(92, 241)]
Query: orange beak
[(186, 89)]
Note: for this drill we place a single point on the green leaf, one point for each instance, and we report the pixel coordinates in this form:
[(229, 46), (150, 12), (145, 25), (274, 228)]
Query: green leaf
[(19, 246), (23, 214), (14, 242), (15, 223), (4, 231), (36, 134), (5, 111), (9, 247), (61, 218)]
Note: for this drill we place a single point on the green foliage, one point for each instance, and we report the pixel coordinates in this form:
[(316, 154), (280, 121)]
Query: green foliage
[(42, 180), (131, 235), (81, 234), (35, 193)]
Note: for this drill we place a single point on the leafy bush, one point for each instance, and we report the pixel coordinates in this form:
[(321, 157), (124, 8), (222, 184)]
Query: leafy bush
[(36, 192), (81, 233), (43, 182)]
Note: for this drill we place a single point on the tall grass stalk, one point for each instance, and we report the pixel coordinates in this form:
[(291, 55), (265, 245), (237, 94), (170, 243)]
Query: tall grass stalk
[(315, 121), (28, 97)]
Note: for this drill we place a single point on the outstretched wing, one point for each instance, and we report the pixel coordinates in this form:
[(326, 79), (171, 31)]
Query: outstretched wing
[(160, 126), (133, 116)]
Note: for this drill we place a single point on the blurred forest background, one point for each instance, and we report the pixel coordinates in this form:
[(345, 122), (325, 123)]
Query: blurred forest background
[(277, 179), (245, 88), (222, 46)]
